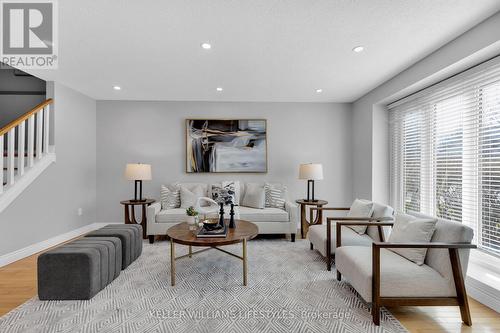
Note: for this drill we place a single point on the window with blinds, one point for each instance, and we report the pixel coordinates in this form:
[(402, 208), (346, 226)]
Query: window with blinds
[(445, 153)]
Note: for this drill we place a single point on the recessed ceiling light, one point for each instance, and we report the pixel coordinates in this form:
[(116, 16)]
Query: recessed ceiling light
[(358, 49), (206, 46), (219, 89), (117, 88), (319, 91)]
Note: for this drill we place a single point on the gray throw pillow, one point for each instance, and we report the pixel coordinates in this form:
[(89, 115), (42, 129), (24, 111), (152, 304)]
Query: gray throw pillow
[(360, 208), (409, 229), (255, 196)]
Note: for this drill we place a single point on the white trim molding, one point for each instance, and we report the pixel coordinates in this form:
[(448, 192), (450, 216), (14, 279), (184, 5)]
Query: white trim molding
[(46, 244), (483, 279)]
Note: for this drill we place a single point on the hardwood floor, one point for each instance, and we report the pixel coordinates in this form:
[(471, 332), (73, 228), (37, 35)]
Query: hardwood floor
[(18, 284)]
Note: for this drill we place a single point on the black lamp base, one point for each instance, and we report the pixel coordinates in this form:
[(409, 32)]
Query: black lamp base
[(310, 190), (138, 199)]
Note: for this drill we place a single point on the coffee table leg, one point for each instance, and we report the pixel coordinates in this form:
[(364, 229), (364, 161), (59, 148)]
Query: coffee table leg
[(190, 251), (172, 262), (244, 262)]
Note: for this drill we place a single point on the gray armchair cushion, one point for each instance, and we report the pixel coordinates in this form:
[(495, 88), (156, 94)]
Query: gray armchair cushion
[(409, 229), (317, 236), (449, 232), (360, 208), (399, 276), (380, 210)]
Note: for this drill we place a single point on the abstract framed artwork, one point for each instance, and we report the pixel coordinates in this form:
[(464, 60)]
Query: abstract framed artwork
[(226, 145)]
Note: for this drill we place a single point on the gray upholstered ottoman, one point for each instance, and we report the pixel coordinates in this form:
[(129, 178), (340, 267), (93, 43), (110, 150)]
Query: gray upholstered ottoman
[(137, 228), (115, 252), (130, 236), (69, 273)]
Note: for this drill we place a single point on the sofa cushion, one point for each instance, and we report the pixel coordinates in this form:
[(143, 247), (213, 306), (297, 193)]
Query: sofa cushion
[(263, 215), (190, 196), (360, 208), (380, 210), (170, 196), (399, 276), (275, 195), (409, 229), (226, 192), (255, 196), (448, 232), (317, 236)]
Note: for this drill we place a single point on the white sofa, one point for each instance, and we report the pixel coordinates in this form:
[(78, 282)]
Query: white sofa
[(268, 220)]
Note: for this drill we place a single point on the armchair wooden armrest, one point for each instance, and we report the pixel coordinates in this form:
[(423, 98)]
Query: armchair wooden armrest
[(460, 299), (322, 209)]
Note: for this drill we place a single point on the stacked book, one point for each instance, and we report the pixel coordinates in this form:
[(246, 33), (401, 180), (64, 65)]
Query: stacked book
[(219, 232)]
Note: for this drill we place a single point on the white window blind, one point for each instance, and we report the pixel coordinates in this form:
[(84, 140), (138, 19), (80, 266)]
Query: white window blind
[(445, 153)]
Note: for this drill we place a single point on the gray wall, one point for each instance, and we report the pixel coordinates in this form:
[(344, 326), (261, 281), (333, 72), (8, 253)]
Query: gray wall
[(48, 207), (13, 105), (153, 132), (370, 144)]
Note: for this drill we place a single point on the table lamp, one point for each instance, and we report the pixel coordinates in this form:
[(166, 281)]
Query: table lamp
[(311, 172), (138, 172)]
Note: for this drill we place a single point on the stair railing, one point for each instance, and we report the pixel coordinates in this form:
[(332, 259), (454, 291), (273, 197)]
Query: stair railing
[(24, 142)]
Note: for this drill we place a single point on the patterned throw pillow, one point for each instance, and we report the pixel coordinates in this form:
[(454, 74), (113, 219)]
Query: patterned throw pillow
[(170, 196), (275, 195), (227, 192)]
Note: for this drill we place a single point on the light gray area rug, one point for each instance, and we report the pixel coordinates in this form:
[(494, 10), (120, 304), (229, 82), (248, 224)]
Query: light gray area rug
[(289, 291)]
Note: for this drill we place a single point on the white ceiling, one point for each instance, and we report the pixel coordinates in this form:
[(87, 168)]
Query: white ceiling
[(263, 50)]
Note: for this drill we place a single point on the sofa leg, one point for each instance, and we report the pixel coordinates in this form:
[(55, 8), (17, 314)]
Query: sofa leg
[(293, 238), (329, 261), (339, 276), (311, 246), (151, 239)]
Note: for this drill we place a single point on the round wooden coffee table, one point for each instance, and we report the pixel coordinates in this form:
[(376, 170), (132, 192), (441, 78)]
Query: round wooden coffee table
[(181, 234)]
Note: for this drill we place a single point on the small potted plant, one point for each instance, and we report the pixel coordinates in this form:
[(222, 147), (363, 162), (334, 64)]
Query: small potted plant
[(191, 215)]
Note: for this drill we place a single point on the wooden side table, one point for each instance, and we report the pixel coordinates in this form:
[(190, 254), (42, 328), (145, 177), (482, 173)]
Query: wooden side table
[(130, 213), (304, 224)]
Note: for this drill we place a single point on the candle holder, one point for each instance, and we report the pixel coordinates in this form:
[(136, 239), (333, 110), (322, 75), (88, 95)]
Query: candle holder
[(231, 217), (221, 214)]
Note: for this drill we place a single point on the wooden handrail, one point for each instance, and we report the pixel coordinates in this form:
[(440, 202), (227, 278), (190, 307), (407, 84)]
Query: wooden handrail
[(25, 116)]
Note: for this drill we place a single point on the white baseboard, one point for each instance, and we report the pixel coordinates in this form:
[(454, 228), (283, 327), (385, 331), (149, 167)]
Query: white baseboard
[(48, 243)]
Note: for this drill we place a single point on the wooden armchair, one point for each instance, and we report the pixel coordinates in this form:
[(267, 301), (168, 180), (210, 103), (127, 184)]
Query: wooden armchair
[(324, 240), (385, 278)]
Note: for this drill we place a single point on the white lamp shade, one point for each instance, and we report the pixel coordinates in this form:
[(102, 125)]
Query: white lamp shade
[(138, 172), (311, 171)]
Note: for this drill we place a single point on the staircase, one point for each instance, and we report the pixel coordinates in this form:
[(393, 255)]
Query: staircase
[(27, 151)]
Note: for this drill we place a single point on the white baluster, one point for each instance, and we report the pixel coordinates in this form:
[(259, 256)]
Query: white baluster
[(31, 140), (1, 163), (46, 113), (10, 156), (39, 131), (20, 148)]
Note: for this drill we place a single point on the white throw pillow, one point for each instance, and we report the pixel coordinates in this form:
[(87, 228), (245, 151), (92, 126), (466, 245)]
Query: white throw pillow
[(409, 229), (170, 196), (189, 197), (255, 196), (360, 208), (275, 195)]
